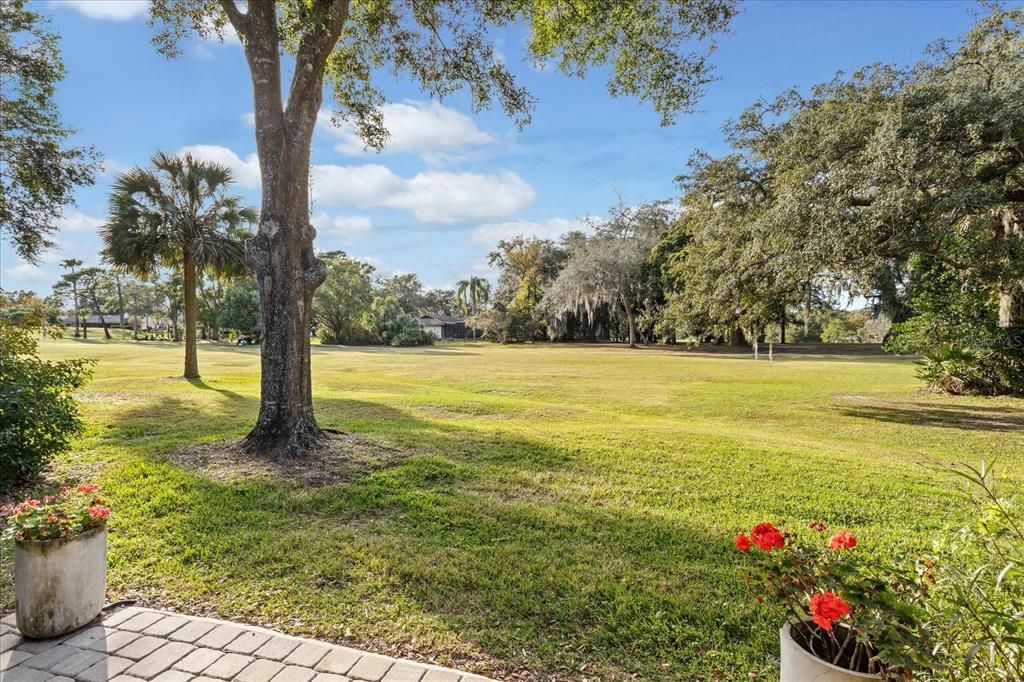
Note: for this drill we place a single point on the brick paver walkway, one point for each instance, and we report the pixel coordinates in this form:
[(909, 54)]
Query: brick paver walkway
[(133, 644)]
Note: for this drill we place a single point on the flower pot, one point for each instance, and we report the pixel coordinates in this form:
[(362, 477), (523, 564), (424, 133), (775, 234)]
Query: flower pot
[(59, 585), (800, 665)]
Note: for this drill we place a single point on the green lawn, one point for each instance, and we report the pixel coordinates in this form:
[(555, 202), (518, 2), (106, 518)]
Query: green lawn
[(562, 511)]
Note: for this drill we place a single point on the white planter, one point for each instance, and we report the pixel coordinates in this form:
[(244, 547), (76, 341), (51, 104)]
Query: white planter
[(60, 585), (799, 665)]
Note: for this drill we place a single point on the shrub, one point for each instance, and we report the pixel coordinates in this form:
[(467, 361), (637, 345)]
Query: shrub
[(956, 330), (857, 615), (66, 515), (38, 414), (977, 603), (396, 327), (966, 371), (839, 329)]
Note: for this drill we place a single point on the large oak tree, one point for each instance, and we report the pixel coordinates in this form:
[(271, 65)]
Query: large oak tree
[(657, 51)]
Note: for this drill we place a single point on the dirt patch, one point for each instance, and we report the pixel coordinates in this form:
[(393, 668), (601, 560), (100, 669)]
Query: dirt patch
[(342, 459)]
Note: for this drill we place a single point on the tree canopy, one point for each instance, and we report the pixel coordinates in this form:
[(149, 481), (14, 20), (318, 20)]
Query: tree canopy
[(40, 169)]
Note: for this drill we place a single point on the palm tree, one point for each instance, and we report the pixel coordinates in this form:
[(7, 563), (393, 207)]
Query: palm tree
[(177, 215), (471, 294)]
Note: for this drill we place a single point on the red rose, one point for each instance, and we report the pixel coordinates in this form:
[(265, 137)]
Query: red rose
[(844, 539), (826, 608), (742, 543), (767, 537), (88, 488), (819, 526), (99, 512)]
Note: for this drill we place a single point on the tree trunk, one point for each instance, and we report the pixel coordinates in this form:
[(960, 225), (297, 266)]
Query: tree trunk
[(631, 323), (807, 314), (1011, 300), (782, 327), (189, 279), (99, 313), (120, 303), (74, 297), (281, 253), (737, 337)]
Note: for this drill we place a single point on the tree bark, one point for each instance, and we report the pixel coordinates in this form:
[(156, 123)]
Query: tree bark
[(630, 321), (281, 253), (807, 314), (120, 303), (1011, 300), (189, 286), (75, 303)]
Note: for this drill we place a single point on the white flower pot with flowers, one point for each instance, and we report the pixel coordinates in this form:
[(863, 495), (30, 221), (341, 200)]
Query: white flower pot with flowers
[(845, 618), (60, 560)]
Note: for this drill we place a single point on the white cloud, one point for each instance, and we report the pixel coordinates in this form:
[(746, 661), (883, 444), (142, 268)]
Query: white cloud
[(552, 228), (115, 10), (432, 196), (76, 221), (24, 271), (414, 127), (341, 226), (246, 171)]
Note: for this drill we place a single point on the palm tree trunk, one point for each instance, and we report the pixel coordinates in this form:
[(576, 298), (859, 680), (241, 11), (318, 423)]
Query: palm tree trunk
[(189, 278)]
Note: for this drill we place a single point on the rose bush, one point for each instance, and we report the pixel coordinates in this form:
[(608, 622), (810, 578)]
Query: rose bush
[(68, 514), (856, 614)]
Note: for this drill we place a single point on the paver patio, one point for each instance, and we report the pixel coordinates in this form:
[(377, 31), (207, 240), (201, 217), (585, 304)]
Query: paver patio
[(133, 644)]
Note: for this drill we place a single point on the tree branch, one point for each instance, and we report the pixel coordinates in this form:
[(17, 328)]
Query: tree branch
[(235, 16), (315, 46)]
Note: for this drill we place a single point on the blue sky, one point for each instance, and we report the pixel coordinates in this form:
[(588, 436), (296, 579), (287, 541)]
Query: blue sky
[(452, 183)]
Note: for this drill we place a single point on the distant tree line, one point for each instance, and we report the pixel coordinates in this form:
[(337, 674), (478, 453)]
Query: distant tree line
[(904, 186)]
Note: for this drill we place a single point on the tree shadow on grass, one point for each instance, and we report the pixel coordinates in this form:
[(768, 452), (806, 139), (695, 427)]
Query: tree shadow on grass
[(966, 417), (429, 557)]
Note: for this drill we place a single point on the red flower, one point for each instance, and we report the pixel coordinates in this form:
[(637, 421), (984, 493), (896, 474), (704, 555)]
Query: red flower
[(844, 539), (742, 543), (88, 488), (767, 537), (99, 512), (819, 526), (826, 608)]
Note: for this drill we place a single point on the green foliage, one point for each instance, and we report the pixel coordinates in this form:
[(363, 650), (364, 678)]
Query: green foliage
[(847, 185), (394, 326), (609, 268), (839, 329), (406, 289), (70, 513), (526, 267), (39, 415), (27, 310), (241, 308), (41, 171), (472, 293), (977, 607), (883, 625), (174, 214), (956, 329), (341, 305)]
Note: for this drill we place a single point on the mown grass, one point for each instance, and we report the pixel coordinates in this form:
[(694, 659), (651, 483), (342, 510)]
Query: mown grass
[(561, 512)]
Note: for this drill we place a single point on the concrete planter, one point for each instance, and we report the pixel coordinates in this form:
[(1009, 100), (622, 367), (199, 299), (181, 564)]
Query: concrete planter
[(60, 585), (799, 665)]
